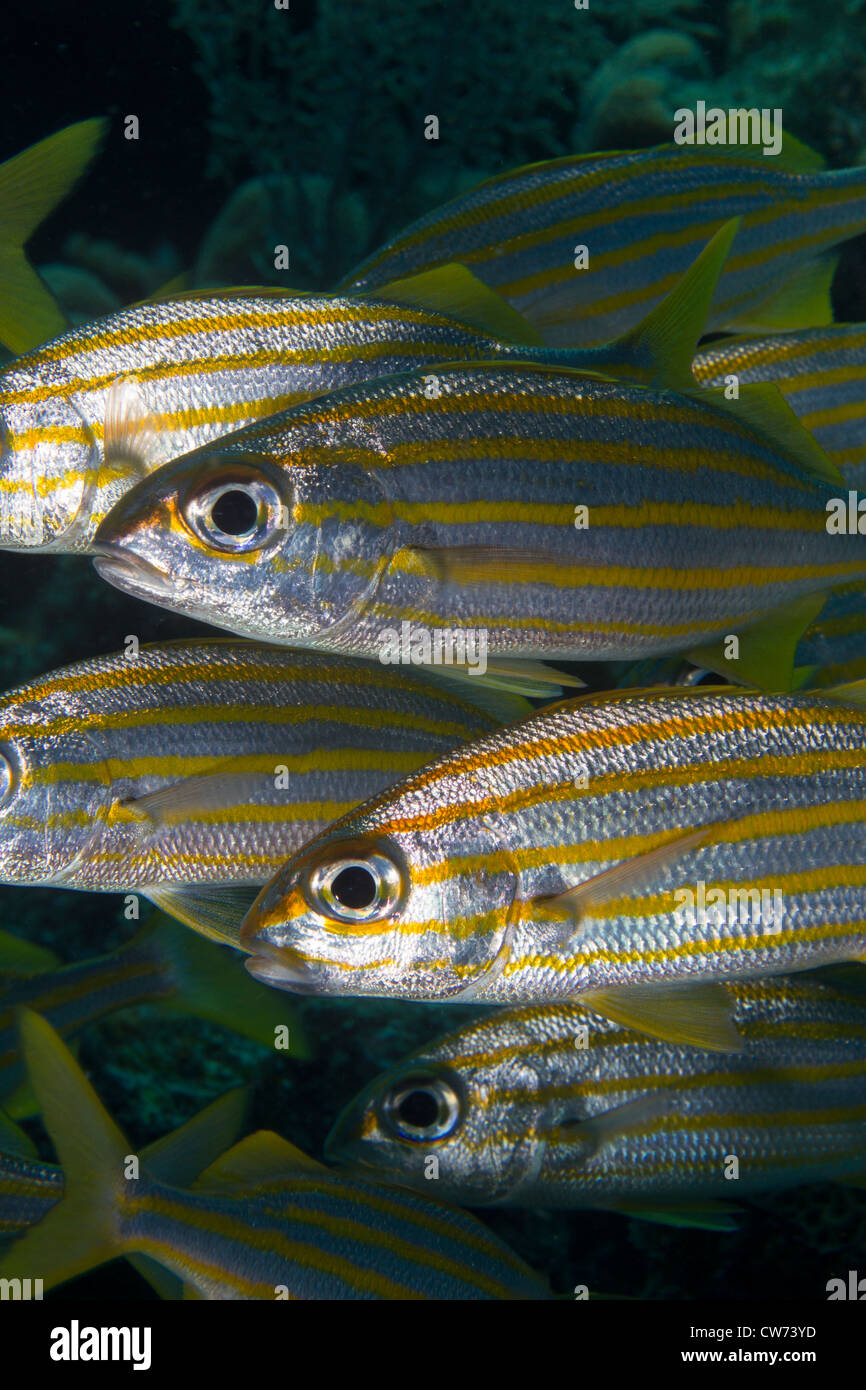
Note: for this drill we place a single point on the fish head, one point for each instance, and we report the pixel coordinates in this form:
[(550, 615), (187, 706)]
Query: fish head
[(55, 788), (462, 1127), (49, 462), (376, 908), (286, 552)]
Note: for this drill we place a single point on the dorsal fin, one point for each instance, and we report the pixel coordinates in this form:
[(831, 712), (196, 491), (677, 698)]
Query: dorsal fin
[(260, 1158), (666, 340), (762, 406), (454, 291)]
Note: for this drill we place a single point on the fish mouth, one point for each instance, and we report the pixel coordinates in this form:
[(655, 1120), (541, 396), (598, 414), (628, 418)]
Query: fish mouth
[(344, 1149), (131, 574), (283, 972)]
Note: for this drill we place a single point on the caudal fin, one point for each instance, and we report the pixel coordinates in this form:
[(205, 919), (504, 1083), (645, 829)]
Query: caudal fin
[(31, 185), (83, 1229)]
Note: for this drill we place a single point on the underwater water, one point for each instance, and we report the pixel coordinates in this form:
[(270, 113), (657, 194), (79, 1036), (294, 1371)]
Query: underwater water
[(254, 144)]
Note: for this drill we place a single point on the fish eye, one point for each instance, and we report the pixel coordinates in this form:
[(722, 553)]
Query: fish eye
[(8, 775), (421, 1107), (241, 511), (362, 889)]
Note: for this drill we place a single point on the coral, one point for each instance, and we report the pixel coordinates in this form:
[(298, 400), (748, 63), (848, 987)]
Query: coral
[(345, 95), (302, 213), (82, 295), (131, 275), (630, 101)]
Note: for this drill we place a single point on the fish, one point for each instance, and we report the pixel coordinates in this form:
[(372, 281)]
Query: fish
[(263, 1222), (163, 965), (585, 245), (86, 416), (188, 771), (368, 521), (32, 183), (629, 851), (553, 1106), (30, 1188)]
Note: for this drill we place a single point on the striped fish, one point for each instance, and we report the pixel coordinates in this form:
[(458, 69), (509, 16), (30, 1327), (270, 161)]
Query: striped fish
[(556, 513), (164, 966), (624, 850), (29, 1188), (553, 1106), (85, 416), (642, 215), (264, 1222), (206, 763)]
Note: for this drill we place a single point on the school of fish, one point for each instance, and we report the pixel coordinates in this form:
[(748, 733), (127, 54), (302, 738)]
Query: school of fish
[(489, 449)]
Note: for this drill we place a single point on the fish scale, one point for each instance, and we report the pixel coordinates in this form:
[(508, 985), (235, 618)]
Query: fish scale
[(376, 508), (541, 1106), (481, 845), (86, 749), (199, 366), (262, 1222), (642, 214)]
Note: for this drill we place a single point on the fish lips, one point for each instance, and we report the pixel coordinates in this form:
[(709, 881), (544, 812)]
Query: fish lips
[(283, 970), (131, 573), (271, 963)]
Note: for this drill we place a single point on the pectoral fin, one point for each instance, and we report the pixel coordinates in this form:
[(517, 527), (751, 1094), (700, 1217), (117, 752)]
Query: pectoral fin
[(464, 564), (706, 1216), (698, 1014), (213, 910), (230, 785), (531, 679), (626, 877), (127, 433), (601, 1130)]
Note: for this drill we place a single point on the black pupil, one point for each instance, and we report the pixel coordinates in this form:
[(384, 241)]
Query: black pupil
[(234, 513), (420, 1109), (354, 887)]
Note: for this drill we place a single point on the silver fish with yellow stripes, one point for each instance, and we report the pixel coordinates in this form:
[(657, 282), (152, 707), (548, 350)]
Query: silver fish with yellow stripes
[(641, 215), (821, 372), (264, 1222), (84, 417), (624, 850), (165, 966), (553, 1106), (558, 513), (30, 1188), (206, 763)]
